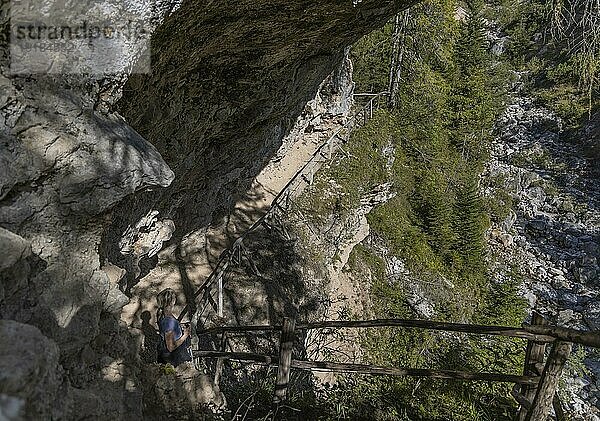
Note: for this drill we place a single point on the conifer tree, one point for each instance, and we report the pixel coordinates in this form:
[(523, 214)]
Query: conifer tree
[(473, 98), (469, 223), (438, 217)]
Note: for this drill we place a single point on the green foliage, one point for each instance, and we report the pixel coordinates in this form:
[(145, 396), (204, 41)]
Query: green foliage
[(504, 305), (362, 255), (367, 146), (409, 398), (567, 101), (337, 189), (439, 218), (470, 224), (575, 365), (520, 21), (446, 109), (478, 88), (371, 59), (561, 73), (499, 203), (168, 369)]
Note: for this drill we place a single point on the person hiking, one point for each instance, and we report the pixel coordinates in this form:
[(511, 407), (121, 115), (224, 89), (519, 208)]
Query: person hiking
[(174, 346)]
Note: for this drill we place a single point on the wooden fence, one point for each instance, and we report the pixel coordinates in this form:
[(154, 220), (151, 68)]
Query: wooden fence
[(535, 389)]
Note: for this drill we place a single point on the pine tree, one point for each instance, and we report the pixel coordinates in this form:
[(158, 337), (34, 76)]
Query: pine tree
[(473, 99), (472, 50), (469, 224), (438, 217)]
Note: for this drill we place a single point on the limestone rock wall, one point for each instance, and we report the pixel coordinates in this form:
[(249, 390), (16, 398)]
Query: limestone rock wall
[(32, 383), (218, 114)]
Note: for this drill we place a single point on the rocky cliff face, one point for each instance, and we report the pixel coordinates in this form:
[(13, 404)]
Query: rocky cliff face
[(217, 115), (227, 83), (197, 253)]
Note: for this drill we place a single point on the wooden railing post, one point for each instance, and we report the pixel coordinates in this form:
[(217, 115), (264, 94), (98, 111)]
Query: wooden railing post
[(534, 355), (220, 296), (286, 346), (540, 408), (219, 365)]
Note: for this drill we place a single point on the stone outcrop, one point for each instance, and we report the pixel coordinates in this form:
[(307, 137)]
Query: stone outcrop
[(185, 393), (14, 268), (65, 165), (32, 383)]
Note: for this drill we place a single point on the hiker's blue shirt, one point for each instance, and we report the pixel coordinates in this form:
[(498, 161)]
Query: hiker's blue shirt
[(167, 324), (180, 354)]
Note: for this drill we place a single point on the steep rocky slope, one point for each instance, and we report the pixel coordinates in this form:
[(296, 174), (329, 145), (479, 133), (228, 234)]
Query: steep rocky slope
[(552, 236), (228, 81)]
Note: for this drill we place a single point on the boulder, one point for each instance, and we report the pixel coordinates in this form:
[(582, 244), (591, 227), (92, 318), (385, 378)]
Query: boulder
[(14, 248), (115, 300), (537, 225), (586, 275), (185, 391), (14, 268), (32, 383)]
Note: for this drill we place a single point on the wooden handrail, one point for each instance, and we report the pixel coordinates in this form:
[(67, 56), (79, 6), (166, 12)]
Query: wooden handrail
[(423, 324), (531, 332), (591, 339)]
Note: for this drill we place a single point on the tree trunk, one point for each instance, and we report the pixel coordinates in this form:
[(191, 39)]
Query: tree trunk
[(398, 49)]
